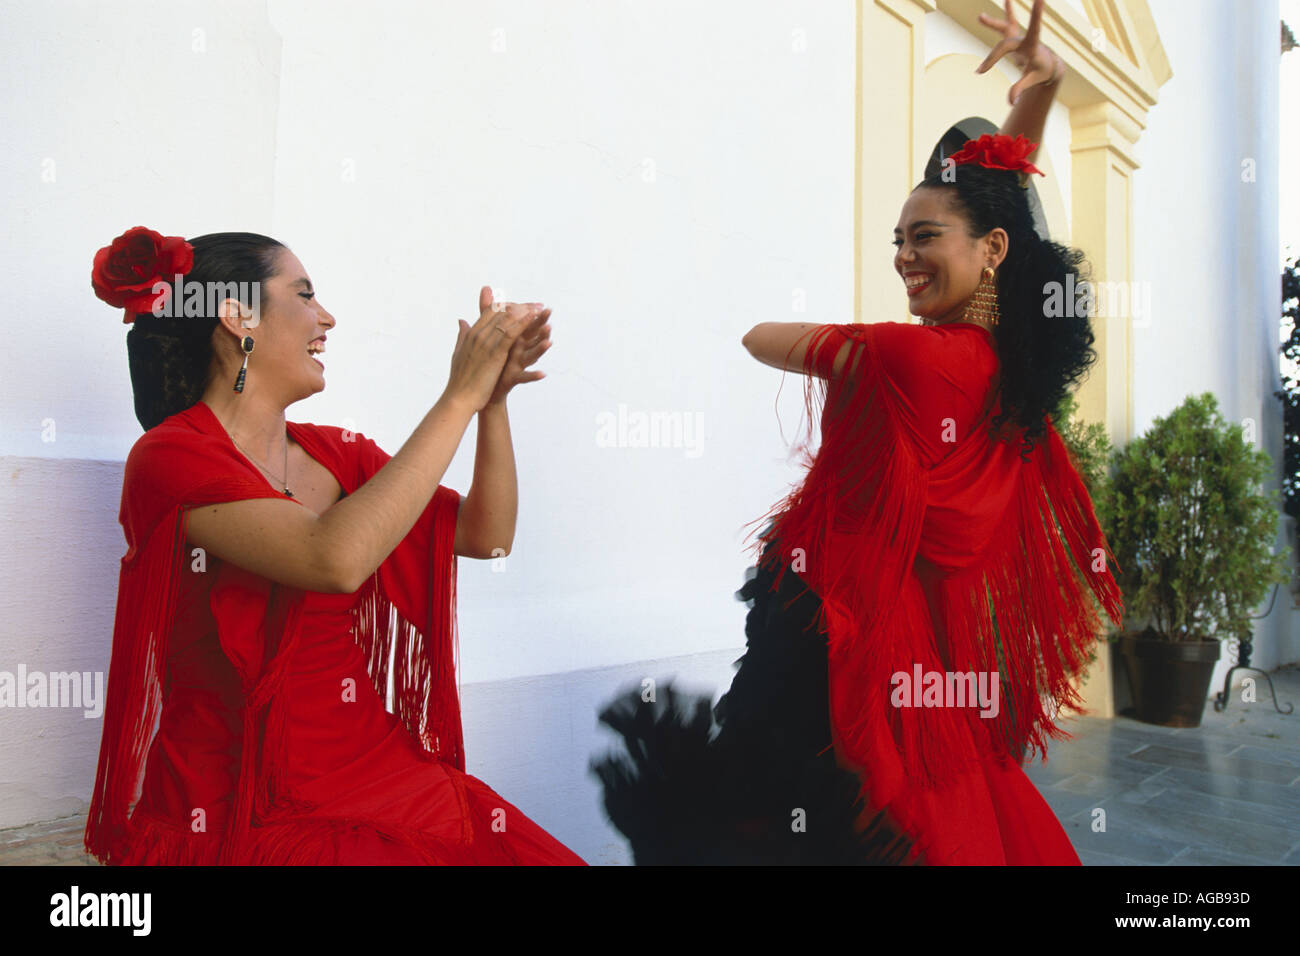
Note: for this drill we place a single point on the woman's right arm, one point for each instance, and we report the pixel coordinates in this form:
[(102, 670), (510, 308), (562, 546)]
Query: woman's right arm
[(785, 345), (337, 551), (1033, 93)]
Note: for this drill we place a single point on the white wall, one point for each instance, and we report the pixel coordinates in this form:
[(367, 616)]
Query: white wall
[(1208, 241), (664, 175)]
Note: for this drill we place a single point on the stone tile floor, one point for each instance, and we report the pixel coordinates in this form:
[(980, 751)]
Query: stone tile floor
[(1224, 793)]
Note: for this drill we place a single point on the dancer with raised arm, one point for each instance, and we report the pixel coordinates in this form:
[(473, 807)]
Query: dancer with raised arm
[(273, 570), (927, 596)]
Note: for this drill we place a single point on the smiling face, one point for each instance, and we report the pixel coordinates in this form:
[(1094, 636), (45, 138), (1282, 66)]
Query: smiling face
[(939, 261), (289, 330)]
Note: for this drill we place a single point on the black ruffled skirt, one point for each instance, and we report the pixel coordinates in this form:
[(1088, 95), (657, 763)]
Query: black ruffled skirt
[(753, 780)]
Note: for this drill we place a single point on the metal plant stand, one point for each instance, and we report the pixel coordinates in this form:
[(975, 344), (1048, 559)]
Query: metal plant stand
[(1243, 664)]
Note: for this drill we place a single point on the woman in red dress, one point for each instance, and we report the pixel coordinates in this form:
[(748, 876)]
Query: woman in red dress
[(279, 573), (926, 598)]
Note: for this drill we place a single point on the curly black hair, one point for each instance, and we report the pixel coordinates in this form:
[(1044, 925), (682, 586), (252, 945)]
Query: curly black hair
[(171, 357), (1041, 356)]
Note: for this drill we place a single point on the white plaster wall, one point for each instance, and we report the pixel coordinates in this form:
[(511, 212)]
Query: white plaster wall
[(1207, 241), (664, 175)]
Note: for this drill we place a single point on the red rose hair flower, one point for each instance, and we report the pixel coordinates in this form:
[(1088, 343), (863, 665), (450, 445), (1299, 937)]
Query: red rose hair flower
[(126, 270), (998, 151)]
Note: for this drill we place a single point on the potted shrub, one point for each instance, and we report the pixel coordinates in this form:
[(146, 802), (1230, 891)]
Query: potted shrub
[(1192, 529)]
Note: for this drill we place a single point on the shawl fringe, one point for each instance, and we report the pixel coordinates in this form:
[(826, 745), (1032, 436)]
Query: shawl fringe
[(853, 529), (425, 693), (1045, 586), (146, 603)]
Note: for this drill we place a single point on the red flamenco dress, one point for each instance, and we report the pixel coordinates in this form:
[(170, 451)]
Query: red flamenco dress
[(245, 720), (918, 547)]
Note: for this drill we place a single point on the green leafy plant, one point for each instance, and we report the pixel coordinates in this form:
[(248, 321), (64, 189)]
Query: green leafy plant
[(1187, 520)]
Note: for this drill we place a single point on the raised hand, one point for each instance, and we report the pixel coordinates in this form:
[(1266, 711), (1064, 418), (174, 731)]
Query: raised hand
[(531, 344), (1040, 65), (483, 349)]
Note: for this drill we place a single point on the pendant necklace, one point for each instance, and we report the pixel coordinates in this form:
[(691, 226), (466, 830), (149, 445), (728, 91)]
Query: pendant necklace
[(267, 470)]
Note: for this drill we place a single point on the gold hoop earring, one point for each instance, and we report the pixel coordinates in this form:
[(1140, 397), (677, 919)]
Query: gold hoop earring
[(983, 306), (247, 345)]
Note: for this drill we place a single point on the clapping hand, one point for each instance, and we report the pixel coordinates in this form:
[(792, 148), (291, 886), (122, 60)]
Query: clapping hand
[(524, 351)]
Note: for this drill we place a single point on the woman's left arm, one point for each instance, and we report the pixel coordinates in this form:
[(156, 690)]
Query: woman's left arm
[(486, 520), (485, 523)]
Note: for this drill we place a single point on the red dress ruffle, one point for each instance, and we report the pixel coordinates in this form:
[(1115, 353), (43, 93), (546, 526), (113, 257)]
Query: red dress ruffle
[(375, 798)]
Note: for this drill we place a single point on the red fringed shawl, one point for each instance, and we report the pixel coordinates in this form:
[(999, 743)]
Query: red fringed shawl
[(931, 543), (409, 605)]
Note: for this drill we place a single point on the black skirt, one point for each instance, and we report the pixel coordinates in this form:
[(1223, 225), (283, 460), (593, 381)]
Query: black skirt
[(753, 780)]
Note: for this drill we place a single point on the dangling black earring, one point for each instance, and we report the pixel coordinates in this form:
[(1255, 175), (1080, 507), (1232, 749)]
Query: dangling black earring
[(247, 346)]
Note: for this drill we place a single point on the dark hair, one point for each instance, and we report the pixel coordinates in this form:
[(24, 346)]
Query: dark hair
[(1041, 357), (171, 357)]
